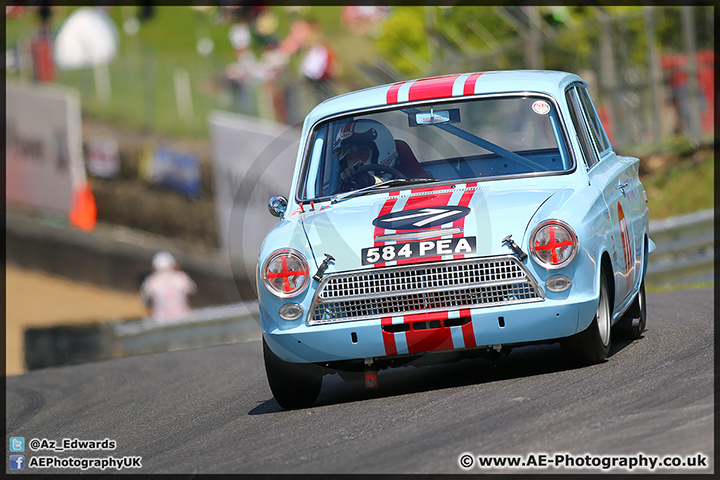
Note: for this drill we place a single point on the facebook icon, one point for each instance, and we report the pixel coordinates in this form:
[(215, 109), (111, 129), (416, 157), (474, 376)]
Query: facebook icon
[(17, 462)]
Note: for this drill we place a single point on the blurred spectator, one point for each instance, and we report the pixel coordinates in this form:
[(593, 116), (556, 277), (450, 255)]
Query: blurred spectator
[(318, 65), (363, 19), (241, 73), (299, 30), (167, 289), (679, 97), (292, 111), (272, 67), (258, 82), (14, 11)]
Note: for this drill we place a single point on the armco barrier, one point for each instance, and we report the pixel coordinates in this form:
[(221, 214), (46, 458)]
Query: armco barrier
[(203, 327), (685, 249)]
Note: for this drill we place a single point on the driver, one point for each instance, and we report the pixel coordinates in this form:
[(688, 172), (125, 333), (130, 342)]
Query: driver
[(362, 143)]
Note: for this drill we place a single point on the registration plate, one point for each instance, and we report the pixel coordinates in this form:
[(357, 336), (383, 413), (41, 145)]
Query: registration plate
[(424, 248)]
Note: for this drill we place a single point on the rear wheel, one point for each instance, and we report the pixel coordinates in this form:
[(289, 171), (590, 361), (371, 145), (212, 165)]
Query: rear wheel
[(593, 344), (294, 385), (633, 322)]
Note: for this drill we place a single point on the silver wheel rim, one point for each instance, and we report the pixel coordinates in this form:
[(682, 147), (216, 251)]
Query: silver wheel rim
[(603, 317)]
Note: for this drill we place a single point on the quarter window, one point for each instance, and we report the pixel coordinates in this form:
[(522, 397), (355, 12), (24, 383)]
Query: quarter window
[(596, 128), (581, 128)]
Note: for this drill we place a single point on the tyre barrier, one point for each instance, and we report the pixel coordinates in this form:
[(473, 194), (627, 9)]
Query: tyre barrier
[(67, 345)]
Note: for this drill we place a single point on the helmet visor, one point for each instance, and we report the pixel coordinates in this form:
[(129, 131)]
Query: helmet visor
[(353, 143), (346, 148)]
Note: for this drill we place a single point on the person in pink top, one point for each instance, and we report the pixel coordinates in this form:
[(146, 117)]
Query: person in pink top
[(167, 289)]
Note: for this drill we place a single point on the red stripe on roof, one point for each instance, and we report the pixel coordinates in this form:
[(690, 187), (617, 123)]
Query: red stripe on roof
[(469, 87), (435, 87), (392, 94)]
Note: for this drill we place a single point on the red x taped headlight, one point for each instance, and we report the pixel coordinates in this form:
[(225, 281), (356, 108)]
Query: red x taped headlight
[(553, 244), (285, 272)]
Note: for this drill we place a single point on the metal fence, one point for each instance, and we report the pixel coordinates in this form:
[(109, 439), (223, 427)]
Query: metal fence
[(685, 250), (650, 70)]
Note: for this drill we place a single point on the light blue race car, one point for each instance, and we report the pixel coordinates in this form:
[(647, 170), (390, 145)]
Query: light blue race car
[(464, 214)]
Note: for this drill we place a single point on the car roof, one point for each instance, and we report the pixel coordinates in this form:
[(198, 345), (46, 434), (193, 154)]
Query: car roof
[(446, 86)]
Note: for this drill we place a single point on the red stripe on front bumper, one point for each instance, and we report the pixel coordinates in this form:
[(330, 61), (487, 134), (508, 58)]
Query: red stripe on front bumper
[(388, 337), (467, 330), (429, 340)]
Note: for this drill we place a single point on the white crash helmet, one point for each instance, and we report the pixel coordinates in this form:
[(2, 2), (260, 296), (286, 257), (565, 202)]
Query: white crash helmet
[(366, 132)]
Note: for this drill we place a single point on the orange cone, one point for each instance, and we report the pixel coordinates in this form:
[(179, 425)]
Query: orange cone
[(83, 212)]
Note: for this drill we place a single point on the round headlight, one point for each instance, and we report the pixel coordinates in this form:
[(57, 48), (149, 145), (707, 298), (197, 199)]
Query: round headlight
[(285, 272), (553, 244)]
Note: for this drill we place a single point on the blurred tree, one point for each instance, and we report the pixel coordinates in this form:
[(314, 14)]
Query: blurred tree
[(416, 39), (403, 40)]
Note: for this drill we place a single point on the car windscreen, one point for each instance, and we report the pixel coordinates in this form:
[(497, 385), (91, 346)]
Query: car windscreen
[(479, 138)]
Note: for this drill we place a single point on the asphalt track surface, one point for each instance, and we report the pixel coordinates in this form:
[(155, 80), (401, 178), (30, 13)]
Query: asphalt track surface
[(211, 410)]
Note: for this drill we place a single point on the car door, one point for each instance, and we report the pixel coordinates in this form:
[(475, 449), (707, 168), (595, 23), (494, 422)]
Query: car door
[(612, 175)]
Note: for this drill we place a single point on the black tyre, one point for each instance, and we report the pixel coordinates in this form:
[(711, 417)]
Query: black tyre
[(632, 325), (593, 344), (294, 385)]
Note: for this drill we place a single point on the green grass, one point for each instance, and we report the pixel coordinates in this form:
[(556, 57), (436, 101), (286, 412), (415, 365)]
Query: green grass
[(668, 288), (683, 185), (141, 76)]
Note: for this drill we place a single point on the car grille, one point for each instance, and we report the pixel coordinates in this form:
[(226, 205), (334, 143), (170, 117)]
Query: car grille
[(448, 285)]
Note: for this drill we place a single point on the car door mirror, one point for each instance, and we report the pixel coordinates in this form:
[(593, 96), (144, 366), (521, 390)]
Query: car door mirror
[(277, 206)]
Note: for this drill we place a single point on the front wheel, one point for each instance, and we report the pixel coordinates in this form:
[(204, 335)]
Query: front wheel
[(294, 385), (593, 344)]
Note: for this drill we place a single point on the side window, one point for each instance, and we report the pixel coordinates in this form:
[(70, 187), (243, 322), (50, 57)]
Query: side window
[(596, 128), (586, 146)]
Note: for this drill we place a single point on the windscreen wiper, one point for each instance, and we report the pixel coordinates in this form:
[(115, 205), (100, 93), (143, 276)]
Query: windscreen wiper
[(387, 183)]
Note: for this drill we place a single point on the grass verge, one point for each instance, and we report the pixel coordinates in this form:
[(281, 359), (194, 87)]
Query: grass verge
[(687, 286)]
